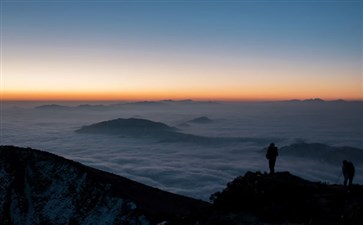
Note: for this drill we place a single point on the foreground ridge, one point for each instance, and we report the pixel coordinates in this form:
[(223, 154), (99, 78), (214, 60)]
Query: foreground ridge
[(285, 198), (38, 187), (41, 188)]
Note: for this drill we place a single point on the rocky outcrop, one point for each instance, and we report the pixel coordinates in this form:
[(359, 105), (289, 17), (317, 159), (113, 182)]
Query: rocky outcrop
[(287, 199), (41, 188)]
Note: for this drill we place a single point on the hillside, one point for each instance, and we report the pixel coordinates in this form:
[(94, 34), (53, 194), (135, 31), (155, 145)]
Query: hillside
[(283, 198), (41, 188)]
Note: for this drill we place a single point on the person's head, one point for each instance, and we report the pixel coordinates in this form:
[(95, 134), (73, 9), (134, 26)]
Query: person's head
[(345, 162), (272, 144)]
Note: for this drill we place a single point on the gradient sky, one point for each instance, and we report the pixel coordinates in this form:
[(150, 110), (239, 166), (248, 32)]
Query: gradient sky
[(211, 50)]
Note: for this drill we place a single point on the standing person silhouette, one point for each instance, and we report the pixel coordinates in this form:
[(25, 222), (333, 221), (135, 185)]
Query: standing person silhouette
[(271, 155), (348, 172)]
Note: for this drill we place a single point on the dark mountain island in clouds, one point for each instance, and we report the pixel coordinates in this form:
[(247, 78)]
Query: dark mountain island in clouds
[(201, 120), (323, 152), (143, 128), (41, 188), (130, 127)]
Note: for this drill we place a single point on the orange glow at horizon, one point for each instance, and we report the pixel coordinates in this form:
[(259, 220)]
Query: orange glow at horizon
[(218, 95), (96, 78)]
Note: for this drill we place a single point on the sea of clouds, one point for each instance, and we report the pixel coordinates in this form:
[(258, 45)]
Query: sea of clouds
[(193, 169)]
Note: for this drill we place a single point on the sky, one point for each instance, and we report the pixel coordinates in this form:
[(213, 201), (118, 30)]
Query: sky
[(205, 50)]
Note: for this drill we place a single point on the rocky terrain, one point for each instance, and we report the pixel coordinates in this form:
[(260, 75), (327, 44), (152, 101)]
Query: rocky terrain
[(38, 187), (283, 198), (41, 188)]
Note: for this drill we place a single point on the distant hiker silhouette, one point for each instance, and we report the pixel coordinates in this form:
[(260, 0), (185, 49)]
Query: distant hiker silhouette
[(348, 172), (271, 155)]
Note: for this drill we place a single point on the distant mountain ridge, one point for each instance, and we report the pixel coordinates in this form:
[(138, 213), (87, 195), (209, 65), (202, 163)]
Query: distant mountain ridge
[(162, 103), (317, 100), (181, 103), (323, 152)]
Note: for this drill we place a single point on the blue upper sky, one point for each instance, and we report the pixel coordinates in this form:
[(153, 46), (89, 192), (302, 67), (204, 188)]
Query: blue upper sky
[(318, 24), (299, 32)]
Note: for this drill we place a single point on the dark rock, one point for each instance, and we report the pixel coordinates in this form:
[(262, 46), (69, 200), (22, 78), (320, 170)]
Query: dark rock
[(285, 198), (41, 188)]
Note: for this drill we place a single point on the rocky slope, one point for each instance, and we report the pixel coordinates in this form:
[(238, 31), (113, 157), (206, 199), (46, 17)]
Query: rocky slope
[(37, 187), (283, 198), (41, 188)]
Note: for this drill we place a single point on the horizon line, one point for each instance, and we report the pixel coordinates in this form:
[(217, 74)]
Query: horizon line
[(181, 99)]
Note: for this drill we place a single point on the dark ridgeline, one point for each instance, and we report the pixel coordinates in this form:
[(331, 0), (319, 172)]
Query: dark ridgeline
[(41, 188), (283, 198)]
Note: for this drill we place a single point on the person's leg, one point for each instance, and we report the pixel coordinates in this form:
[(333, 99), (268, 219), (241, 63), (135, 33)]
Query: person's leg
[(345, 180), (350, 181), (272, 165)]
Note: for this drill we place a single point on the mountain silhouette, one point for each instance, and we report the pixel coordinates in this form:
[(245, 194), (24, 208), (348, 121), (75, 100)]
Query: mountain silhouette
[(52, 107), (129, 127), (38, 187), (283, 198), (41, 188), (142, 128), (323, 152), (200, 120)]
